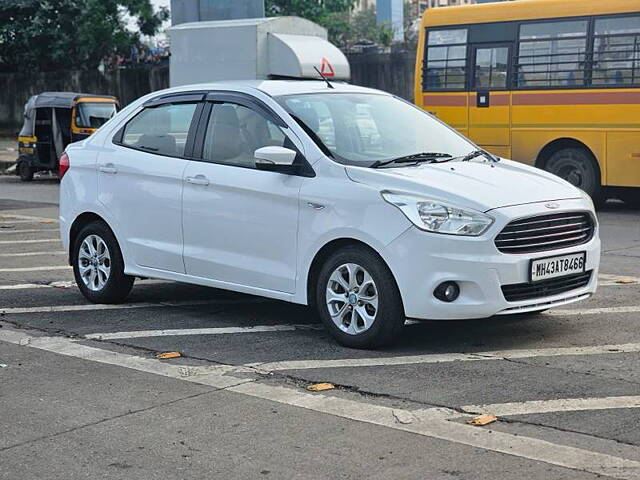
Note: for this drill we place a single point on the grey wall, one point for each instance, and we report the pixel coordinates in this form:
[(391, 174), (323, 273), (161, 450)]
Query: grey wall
[(127, 85), (393, 72), (183, 11)]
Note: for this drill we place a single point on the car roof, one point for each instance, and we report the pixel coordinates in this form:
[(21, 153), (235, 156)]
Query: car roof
[(276, 88)]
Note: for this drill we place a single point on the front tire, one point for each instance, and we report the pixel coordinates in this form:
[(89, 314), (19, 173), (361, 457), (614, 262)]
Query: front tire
[(578, 167), (98, 266), (358, 300)]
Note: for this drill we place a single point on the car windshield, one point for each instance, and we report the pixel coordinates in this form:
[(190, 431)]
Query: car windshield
[(367, 129), (94, 115)]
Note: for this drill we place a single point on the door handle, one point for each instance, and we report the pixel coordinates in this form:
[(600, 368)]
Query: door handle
[(198, 180), (108, 168)]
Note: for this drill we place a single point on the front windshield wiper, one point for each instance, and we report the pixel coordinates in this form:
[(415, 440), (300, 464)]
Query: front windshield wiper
[(477, 153), (431, 157)]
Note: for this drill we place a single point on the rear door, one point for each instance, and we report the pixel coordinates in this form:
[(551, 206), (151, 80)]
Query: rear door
[(490, 99), (140, 180)]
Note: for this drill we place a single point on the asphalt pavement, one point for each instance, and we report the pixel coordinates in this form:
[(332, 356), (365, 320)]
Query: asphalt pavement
[(82, 393)]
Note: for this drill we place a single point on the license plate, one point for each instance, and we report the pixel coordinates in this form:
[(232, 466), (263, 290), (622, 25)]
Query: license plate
[(560, 266)]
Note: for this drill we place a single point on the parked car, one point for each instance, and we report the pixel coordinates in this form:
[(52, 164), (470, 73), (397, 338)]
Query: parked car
[(284, 189), (53, 120)]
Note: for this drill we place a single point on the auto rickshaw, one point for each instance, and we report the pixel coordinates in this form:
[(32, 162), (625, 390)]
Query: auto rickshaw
[(53, 120)]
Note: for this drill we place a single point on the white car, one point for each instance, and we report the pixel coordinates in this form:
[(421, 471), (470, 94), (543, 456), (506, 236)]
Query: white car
[(343, 198)]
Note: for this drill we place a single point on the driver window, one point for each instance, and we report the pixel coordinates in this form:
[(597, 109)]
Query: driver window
[(235, 132)]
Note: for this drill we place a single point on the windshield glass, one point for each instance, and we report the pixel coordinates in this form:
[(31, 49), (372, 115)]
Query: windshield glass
[(360, 129), (94, 115)]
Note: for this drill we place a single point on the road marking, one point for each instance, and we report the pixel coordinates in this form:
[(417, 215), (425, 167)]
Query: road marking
[(446, 357), (126, 306), (69, 284), (28, 218), (594, 311), (608, 280), (431, 423), (200, 331), (36, 269), (8, 230), (31, 254), (19, 242), (555, 405)]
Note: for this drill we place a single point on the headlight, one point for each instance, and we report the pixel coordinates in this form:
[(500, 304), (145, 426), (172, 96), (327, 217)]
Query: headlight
[(438, 217)]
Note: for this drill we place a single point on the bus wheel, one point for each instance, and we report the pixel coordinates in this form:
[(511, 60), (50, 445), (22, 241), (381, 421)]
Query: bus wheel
[(25, 172), (578, 167)]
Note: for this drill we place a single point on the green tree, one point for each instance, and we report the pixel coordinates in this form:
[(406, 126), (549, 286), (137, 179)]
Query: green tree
[(57, 34)]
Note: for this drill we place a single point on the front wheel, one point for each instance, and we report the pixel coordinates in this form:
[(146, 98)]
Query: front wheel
[(98, 266), (358, 300), (578, 167)]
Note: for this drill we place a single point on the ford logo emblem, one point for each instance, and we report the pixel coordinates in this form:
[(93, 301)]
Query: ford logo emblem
[(552, 205)]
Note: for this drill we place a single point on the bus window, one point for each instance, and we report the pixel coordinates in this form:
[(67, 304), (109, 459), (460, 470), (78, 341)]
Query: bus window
[(446, 58), (616, 51), (491, 68), (551, 54)]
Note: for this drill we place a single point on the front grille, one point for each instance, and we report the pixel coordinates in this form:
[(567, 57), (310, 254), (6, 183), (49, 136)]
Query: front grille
[(545, 288), (546, 232)]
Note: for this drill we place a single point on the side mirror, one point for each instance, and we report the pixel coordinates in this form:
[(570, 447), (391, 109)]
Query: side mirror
[(275, 159)]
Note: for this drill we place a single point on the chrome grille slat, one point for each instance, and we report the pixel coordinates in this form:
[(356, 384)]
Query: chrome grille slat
[(553, 231), (571, 232)]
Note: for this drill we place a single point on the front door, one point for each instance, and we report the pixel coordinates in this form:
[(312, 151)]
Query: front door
[(240, 223), (490, 99)]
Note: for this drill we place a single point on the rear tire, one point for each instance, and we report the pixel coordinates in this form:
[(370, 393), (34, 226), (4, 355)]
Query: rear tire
[(98, 266), (25, 172), (358, 300), (578, 167)]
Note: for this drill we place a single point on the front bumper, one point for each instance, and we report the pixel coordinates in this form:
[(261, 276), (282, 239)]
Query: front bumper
[(420, 261)]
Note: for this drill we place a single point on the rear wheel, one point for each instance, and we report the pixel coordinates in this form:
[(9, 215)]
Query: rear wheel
[(98, 266), (578, 167), (25, 172), (358, 300)]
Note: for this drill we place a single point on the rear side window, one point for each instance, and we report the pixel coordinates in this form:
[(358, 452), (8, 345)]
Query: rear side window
[(616, 51), (162, 130)]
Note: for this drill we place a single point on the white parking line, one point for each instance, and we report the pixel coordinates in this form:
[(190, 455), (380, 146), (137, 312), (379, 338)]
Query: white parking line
[(20, 242), (69, 284), (595, 311), (31, 254), (446, 357), (200, 331), (428, 423), (27, 218), (35, 269), (555, 405), (126, 306), (9, 230)]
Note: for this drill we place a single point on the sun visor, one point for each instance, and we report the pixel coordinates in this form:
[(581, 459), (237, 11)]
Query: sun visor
[(295, 56)]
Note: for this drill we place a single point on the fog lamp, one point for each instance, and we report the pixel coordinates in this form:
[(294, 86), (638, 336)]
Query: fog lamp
[(447, 291)]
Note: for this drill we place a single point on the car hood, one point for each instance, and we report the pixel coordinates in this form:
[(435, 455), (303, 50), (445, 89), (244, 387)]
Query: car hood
[(479, 185)]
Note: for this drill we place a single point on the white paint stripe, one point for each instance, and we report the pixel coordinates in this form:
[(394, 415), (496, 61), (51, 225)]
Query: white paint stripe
[(595, 311), (555, 405), (428, 423), (447, 357), (69, 284), (35, 269), (29, 218), (199, 331), (9, 230), (19, 242), (124, 306), (612, 277), (31, 254)]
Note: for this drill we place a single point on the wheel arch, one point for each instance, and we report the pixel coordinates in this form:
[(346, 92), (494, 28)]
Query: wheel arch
[(561, 143), (326, 251), (79, 223)]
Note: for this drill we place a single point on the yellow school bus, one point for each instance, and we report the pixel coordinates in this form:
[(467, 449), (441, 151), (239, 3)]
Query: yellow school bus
[(551, 83)]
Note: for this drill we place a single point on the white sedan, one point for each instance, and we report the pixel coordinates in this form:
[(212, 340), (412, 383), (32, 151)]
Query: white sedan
[(344, 198)]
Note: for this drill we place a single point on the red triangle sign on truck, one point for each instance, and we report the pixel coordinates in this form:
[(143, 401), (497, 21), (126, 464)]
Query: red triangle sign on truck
[(326, 69)]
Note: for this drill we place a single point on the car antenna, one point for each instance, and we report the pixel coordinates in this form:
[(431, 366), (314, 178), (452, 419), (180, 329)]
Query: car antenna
[(323, 77)]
